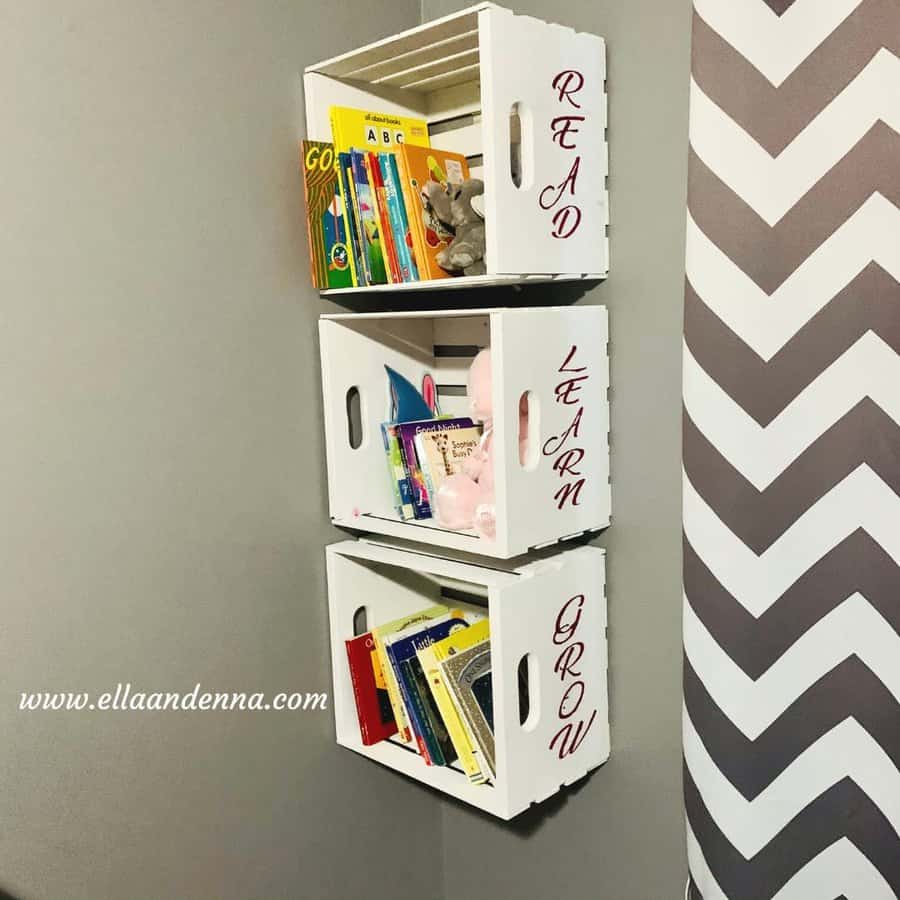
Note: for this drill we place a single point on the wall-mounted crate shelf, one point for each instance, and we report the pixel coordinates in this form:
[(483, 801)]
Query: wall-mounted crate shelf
[(512, 93), (557, 356), (550, 613)]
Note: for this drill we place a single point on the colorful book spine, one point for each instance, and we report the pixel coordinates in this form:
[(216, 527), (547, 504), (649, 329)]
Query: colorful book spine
[(376, 182), (363, 270), (400, 486), (370, 229), (434, 744), (412, 204), (397, 174), (409, 681), (385, 632), (399, 228), (420, 500), (413, 711), (345, 179), (424, 468)]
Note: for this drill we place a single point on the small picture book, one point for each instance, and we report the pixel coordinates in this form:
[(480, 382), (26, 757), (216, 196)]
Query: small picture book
[(373, 706), (419, 165), (363, 129), (397, 214), (442, 452), (348, 198), (330, 247)]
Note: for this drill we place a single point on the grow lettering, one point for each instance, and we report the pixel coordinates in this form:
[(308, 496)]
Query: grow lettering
[(565, 448), (564, 129), (571, 734)]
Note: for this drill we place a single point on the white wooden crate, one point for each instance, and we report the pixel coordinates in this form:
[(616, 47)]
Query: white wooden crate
[(558, 355), (553, 611), (466, 74)]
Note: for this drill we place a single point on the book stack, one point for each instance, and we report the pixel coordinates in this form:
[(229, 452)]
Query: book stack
[(425, 680), (421, 455), (369, 219)]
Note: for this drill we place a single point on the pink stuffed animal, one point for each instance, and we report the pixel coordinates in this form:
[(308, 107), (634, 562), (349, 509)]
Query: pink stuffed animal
[(466, 500)]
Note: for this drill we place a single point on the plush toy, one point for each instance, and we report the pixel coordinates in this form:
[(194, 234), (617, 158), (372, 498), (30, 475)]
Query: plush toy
[(453, 206), (466, 499)]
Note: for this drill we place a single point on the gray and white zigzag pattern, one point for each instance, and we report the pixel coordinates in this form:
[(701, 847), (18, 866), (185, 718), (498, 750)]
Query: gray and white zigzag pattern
[(792, 451)]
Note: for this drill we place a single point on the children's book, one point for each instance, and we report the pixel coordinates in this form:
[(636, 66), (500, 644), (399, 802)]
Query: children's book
[(464, 659), (466, 752), (397, 182), (373, 706), (369, 227), (329, 241), (397, 213), (424, 164), (371, 130), (376, 185), (434, 742), (407, 432), (364, 276), (345, 182), (417, 619), (411, 202), (400, 485), (442, 452)]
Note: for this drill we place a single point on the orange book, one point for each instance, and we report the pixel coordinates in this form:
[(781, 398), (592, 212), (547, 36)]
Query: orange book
[(421, 165)]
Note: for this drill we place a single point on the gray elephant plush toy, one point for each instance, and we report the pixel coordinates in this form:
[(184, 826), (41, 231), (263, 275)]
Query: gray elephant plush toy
[(465, 253)]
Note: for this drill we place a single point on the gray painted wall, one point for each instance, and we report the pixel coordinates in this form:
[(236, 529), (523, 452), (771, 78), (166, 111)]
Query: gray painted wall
[(162, 461), (621, 836), (161, 473)]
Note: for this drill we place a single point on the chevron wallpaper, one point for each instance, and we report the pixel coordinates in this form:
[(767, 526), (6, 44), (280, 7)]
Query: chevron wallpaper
[(792, 451)]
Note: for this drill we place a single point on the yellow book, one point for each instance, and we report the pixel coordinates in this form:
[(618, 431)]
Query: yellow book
[(393, 688), (459, 643), (466, 753), (363, 129), (461, 640)]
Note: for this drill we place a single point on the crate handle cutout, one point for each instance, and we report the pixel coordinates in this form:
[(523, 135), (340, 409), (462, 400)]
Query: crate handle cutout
[(530, 430), (520, 145), (529, 697), (354, 418), (360, 621)]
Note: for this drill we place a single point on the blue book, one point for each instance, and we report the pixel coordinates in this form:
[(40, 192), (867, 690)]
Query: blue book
[(404, 217), (425, 717)]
